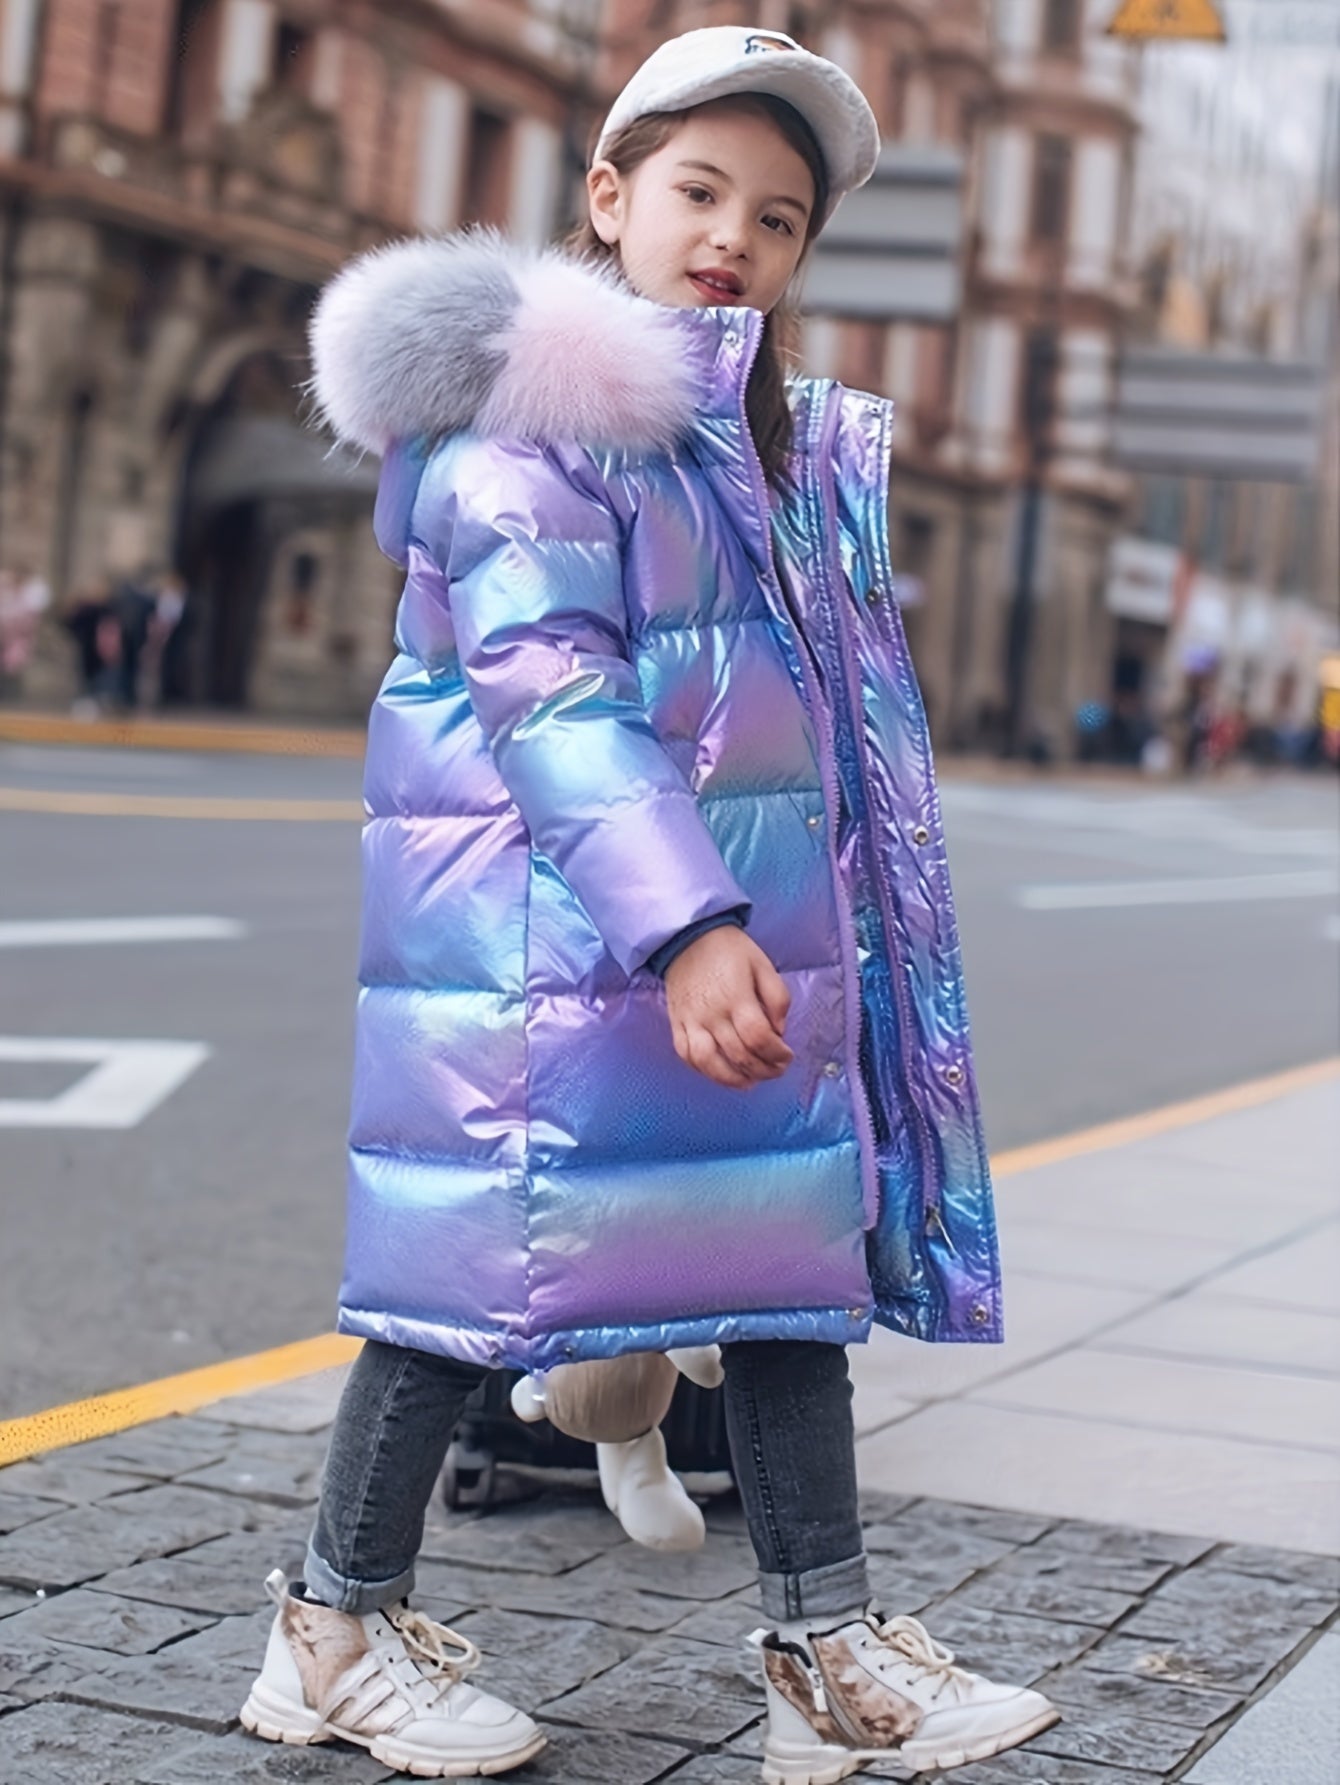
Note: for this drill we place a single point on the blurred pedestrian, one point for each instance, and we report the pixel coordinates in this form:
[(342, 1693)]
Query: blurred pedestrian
[(164, 626), (596, 1113), (133, 605), (24, 599), (89, 620)]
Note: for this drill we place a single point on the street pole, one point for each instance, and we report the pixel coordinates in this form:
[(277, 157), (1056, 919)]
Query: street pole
[(1039, 404)]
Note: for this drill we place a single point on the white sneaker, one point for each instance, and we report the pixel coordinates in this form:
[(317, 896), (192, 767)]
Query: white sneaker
[(386, 1681), (869, 1690)]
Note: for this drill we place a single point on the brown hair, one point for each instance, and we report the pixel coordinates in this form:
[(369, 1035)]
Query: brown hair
[(766, 406)]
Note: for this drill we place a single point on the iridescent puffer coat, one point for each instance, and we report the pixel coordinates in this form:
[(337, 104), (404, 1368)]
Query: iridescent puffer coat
[(632, 693)]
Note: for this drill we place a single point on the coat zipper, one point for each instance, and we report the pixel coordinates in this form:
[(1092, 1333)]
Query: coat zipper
[(931, 1215), (851, 983)]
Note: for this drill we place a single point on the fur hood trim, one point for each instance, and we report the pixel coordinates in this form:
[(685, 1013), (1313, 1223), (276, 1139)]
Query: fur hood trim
[(432, 337)]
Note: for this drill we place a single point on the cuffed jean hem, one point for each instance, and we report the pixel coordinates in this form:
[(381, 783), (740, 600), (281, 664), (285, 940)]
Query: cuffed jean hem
[(356, 1596), (816, 1592)]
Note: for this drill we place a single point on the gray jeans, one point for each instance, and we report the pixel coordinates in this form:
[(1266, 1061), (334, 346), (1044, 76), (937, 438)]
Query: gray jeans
[(788, 1415)]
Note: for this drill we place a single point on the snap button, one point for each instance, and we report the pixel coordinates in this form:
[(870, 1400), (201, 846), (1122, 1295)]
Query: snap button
[(831, 1069), (979, 1313), (814, 821), (921, 836), (872, 597), (953, 1075)]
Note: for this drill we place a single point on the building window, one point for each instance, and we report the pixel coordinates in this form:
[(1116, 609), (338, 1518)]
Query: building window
[(486, 168), (1163, 509), (189, 69), (1050, 217), (294, 54), (1061, 22), (1214, 524)]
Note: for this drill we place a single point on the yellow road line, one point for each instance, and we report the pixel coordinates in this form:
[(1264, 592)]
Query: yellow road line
[(1163, 1121), (164, 805), (184, 734), (104, 1414)]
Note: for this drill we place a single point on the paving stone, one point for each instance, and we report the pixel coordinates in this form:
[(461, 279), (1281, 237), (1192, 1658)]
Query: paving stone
[(1229, 1600), (1119, 1738), (1115, 1574), (61, 1477), (985, 1521), (1319, 1572), (896, 1590), (232, 1642), (240, 1759), (1119, 1540), (9, 1704), (13, 1599), (875, 1507), (908, 1540), (35, 1669), (550, 1540), (26, 1509), (531, 1660), (1026, 1767), (74, 1546), (692, 1692), (601, 1757), (172, 1686), (724, 1621), (163, 1449), (82, 1542), (102, 1621), (281, 1467), (715, 1769), (1042, 1597), (560, 1596), (306, 1405), (224, 1576), (725, 1565), (1234, 1661), (1081, 1689), (69, 1744), (1006, 1647)]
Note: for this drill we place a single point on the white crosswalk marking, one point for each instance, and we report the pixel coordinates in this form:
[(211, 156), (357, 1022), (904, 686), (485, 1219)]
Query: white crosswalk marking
[(86, 931), (127, 1081), (1110, 895)]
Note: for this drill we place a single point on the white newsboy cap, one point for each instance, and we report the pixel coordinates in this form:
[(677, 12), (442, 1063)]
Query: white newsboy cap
[(723, 59)]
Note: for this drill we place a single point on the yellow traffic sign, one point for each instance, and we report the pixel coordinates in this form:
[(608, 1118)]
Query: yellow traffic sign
[(1195, 19)]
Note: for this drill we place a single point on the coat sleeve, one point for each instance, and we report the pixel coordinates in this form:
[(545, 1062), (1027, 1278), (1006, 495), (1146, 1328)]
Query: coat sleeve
[(534, 569)]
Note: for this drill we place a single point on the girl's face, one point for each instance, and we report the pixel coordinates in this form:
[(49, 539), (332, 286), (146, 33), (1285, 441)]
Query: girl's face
[(717, 215)]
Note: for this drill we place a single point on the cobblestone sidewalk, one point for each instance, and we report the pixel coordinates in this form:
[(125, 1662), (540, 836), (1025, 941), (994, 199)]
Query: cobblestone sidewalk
[(131, 1620)]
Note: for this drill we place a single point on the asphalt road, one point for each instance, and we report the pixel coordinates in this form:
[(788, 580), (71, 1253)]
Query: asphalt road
[(1125, 948)]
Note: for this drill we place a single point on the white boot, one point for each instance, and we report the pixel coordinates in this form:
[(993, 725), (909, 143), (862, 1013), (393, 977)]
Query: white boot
[(874, 1690), (646, 1496), (387, 1681)]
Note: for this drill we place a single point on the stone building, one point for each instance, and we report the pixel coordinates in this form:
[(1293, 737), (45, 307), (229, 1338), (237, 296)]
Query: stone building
[(177, 178)]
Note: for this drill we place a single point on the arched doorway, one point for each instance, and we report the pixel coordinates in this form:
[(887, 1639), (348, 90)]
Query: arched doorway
[(253, 477)]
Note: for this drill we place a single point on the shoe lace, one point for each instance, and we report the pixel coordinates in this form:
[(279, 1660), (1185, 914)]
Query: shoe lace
[(429, 1645), (918, 1647)]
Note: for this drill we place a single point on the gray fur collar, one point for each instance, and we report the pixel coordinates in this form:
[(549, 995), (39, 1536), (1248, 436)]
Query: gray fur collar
[(469, 332)]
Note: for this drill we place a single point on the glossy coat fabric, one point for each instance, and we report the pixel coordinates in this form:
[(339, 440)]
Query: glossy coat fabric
[(630, 693)]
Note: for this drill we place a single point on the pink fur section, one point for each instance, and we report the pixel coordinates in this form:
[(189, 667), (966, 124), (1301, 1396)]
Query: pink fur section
[(586, 360)]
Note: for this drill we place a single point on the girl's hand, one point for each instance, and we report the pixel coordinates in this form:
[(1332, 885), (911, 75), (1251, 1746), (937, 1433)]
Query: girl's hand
[(728, 1005)]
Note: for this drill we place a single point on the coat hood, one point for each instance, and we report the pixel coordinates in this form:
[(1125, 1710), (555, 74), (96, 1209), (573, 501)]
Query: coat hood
[(467, 332)]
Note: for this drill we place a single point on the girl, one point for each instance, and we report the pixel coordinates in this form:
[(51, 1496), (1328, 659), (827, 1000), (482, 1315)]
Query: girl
[(662, 1039)]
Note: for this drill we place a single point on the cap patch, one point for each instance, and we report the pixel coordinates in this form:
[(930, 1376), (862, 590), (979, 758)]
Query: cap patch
[(764, 40)]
